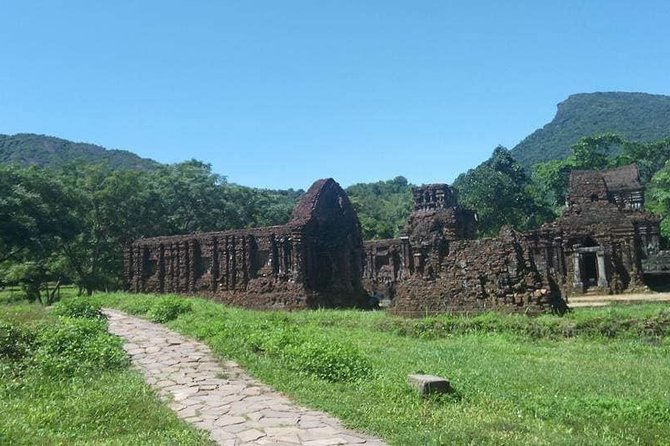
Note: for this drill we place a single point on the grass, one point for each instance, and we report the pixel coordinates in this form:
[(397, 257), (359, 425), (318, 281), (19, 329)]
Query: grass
[(70, 383), (14, 294), (593, 377)]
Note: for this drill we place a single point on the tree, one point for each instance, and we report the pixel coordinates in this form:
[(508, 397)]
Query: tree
[(35, 223), (650, 157), (382, 207), (594, 152), (191, 197), (112, 208), (498, 190), (658, 197), (550, 179)]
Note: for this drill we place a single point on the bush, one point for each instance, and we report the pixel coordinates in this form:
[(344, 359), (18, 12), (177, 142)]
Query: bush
[(78, 308), (77, 345), (139, 306), (298, 348), (14, 342), (335, 362), (169, 308)]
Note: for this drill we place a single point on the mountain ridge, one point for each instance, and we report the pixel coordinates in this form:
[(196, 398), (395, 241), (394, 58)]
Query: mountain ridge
[(50, 151), (636, 116)]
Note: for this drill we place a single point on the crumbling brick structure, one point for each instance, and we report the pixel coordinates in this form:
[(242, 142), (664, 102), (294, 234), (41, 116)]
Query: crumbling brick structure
[(437, 267), (313, 261), (604, 242), (602, 239)]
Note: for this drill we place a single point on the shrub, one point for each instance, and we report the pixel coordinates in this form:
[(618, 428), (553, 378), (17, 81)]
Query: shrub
[(75, 345), (270, 335), (299, 348), (169, 308), (78, 308), (613, 323), (332, 361), (15, 342), (139, 306), (657, 325)]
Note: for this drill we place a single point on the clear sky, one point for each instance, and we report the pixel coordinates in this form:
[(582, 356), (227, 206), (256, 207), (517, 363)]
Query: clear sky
[(279, 93)]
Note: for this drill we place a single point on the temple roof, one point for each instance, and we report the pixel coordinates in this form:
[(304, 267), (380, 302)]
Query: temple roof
[(622, 178), (618, 179)]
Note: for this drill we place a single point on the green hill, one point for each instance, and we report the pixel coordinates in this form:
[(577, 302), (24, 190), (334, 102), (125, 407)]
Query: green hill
[(635, 116), (48, 151)]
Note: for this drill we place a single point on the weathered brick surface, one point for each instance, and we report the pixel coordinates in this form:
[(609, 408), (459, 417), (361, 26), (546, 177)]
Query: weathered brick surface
[(601, 242), (313, 261), (605, 225), (474, 276), (437, 267)]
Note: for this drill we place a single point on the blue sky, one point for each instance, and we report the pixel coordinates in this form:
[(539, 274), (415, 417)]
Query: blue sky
[(279, 93)]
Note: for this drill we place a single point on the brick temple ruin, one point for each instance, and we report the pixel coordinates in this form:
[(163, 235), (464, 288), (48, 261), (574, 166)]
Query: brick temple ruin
[(313, 261), (604, 242), (439, 266)]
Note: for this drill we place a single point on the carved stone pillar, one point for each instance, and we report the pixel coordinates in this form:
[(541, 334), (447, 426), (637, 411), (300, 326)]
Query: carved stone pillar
[(298, 257), (576, 264), (161, 268), (407, 263), (215, 264), (602, 273)]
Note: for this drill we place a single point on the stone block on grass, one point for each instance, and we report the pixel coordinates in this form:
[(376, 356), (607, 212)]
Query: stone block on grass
[(427, 384)]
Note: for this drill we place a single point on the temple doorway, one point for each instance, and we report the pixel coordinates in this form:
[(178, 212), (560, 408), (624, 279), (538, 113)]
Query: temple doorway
[(590, 277)]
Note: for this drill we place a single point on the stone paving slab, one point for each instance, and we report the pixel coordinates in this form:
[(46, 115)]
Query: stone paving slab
[(219, 397), (608, 299)]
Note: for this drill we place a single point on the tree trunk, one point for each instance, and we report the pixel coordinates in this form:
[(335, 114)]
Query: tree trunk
[(52, 296)]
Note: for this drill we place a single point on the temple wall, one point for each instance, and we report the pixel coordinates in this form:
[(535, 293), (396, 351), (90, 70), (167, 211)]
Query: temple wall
[(599, 244), (474, 276), (230, 266), (314, 261)]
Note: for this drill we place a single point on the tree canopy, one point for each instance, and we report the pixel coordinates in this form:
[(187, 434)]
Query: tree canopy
[(73, 223), (499, 191), (382, 207)]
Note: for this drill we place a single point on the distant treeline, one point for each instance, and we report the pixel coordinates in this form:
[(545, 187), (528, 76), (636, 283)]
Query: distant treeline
[(71, 223), (503, 193)]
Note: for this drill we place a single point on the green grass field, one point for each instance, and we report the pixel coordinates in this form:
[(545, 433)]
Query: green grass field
[(594, 376), (68, 382)]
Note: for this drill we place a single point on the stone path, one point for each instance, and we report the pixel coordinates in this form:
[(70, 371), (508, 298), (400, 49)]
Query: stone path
[(608, 299), (220, 397)]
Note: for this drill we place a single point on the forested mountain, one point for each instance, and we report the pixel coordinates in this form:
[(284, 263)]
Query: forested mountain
[(382, 206), (633, 116), (28, 149), (253, 206)]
